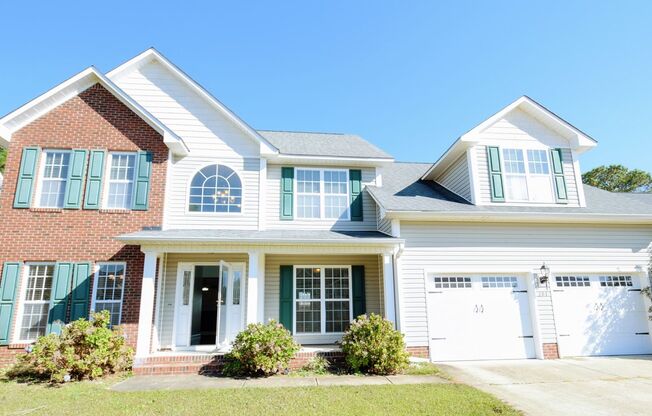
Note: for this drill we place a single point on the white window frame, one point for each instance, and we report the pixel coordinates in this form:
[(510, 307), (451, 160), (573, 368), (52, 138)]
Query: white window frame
[(215, 214), (41, 171), (107, 179), (24, 275), (322, 298), (528, 175), (322, 195), (96, 275)]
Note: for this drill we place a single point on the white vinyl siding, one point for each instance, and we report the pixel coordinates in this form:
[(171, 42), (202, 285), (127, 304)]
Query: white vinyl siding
[(456, 178), (273, 193), (211, 137), (384, 224), (467, 247)]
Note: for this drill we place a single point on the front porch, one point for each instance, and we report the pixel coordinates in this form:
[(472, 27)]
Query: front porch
[(196, 297)]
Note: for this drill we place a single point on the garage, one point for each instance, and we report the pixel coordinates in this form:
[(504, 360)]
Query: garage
[(475, 317), (600, 315)]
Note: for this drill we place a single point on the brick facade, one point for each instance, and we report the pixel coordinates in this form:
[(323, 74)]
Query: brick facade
[(94, 119), (550, 351)]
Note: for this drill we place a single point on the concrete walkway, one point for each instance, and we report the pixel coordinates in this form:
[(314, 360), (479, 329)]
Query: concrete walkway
[(187, 382), (572, 386)]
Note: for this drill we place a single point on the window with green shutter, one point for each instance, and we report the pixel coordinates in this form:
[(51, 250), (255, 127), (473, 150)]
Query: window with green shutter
[(358, 291), (561, 193), (8, 292), (287, 193), (94, 180), (286, 296), (75, 184), (59, 297), (355, 185), (80, 291), (26, 177), (142, 185), (495, 174)]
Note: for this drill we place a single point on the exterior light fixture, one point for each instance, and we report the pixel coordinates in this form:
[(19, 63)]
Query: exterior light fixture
[(544, 274)]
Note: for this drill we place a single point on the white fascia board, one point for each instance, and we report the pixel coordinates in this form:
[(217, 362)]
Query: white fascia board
[(330, 160), (5, 137), (260, 241), (152, 54), (541, 217)]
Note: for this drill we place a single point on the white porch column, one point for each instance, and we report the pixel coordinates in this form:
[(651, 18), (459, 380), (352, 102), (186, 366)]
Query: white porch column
[(143, 344), (256, 288), (389, 290)]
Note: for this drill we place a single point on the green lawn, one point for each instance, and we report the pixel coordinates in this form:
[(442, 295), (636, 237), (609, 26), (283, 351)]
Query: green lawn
[(94, 398)]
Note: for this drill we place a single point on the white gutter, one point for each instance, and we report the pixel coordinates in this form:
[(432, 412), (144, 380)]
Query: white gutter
[(142, 239), (535, 217)]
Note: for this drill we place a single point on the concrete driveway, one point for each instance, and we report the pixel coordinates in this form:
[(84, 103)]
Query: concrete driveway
[(571, 386)]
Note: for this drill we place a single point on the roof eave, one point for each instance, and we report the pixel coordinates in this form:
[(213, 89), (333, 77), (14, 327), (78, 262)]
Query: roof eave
[(136, 239), (370, 161)]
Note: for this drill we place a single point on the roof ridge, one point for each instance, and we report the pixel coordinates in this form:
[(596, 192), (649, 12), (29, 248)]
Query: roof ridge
[(307, 132)]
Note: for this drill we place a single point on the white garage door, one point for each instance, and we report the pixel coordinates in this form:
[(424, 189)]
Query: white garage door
[(479, 317), (600, 315)]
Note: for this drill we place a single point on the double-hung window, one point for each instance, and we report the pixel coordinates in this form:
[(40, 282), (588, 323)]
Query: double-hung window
[(322, 193), (109, 289), (322, 299), (527, 175), (54, 175), (36, 304), (120, 181)]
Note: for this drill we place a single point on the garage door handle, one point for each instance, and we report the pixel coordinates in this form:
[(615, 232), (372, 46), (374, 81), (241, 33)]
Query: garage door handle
[(438, 339), (642, 333), (526, 336), (633, 290), (519, 291), (434, 291)]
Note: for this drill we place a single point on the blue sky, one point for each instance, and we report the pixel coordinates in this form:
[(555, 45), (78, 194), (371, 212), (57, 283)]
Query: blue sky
[(408, 76)]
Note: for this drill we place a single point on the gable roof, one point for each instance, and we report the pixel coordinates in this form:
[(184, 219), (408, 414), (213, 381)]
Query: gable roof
[(152, 54), (579, 140), (405, 194), (296, 143), (72, 87)]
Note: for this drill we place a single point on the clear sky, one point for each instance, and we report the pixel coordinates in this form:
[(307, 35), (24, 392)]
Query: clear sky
[(409, 76)]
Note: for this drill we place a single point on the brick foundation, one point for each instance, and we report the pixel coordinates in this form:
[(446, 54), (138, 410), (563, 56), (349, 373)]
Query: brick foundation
[(94, 119), (550, 351), (419, 352)]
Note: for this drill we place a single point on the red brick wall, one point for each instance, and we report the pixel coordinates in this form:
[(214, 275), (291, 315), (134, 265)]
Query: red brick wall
[(420, 352), (550, 351), (94, 119)]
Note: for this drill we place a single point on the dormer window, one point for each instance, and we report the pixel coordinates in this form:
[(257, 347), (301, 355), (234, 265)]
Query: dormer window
[(527, 175)]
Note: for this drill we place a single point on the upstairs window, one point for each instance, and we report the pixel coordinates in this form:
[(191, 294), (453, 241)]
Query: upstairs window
[(54, 176), (120, 183), (322, 193), (216, 188), (527, 175)]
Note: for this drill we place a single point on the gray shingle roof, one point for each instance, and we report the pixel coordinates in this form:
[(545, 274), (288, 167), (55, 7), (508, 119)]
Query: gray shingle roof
[(265, 236), (403, 190), (322, 144)]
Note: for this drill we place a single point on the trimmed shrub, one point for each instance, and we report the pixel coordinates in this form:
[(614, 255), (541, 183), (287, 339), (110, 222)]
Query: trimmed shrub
[(317, 365), (261, 350), (372, 345), (84, 349)]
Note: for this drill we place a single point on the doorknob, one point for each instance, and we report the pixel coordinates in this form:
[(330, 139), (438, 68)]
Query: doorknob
[(481, 308), (475, 310)]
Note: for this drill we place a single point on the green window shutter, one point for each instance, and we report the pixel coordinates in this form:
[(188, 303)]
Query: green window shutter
[(80, 291), (357, 291), (285, 301), (8, 290), (558, 174), (355, 186), (143, 176), (26, 177), (59, 297), (495, 174), (94, 179), (75, 184), (287, 193)]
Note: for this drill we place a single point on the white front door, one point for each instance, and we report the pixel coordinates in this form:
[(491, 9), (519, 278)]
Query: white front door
[(185, 284), (600, 315), (479, 317), (231, 318)]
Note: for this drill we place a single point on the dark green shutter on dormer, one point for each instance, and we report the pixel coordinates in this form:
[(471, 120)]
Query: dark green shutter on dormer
[(357, 291), (355, 186), (8, 291), (142, 185), (94, 180), (286, 291), (495, 174), (59, 297), (26, 177), (75, 184), (80, 291), (558, 175), (287, 193)]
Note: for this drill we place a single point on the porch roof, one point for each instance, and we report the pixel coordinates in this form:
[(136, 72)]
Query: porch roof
[(259, 237)]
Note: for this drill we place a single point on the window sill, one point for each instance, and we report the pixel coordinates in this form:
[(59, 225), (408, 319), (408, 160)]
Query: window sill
[(38, 209), (115, 211)]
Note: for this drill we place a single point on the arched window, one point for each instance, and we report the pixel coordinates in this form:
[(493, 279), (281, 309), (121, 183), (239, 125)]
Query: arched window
[(215, 188)]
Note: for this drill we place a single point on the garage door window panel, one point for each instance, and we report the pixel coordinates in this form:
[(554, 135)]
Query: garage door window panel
[(499, 282), (616, 281), (453, 282), (572, 281)]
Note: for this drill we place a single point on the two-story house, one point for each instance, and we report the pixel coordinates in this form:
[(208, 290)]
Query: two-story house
[(138, 192)]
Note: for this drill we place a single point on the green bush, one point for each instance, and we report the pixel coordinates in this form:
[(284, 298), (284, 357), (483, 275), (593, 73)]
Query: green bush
[(372, 345), (84, 349), (317, 365), (260, 350)]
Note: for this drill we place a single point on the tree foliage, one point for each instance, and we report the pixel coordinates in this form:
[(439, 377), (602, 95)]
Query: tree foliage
[(3, 159), (617, 178)]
